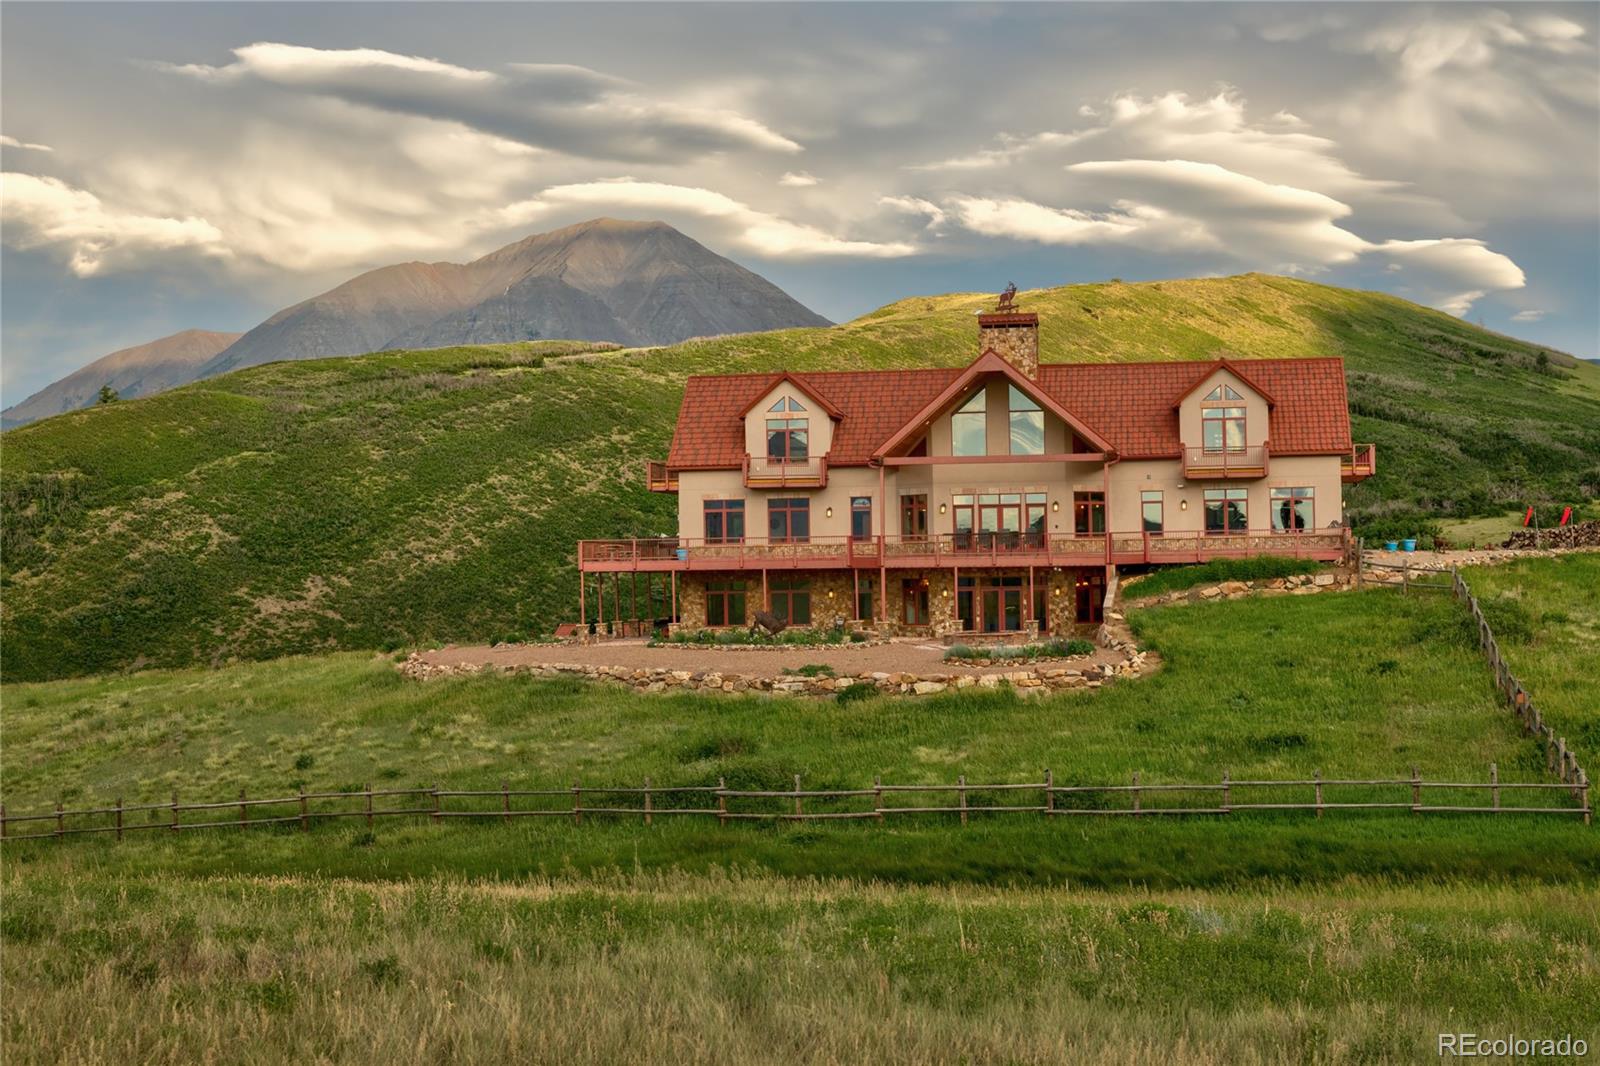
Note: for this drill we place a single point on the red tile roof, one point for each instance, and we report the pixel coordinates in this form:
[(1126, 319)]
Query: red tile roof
[(1129, 404)]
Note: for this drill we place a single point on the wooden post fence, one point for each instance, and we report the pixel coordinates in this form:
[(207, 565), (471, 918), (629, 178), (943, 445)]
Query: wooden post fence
[(961, 783), (647, 810)]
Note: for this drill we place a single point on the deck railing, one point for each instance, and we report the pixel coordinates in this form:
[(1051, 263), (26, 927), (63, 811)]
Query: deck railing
[(761, 472), (658, 478), (1362, 462), (1236, 463), (954, 549)]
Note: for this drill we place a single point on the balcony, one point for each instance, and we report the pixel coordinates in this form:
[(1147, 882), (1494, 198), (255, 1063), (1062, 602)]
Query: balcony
[(1362, 462), (658, 478), (951, 550), (1234, 464), (761, 472)]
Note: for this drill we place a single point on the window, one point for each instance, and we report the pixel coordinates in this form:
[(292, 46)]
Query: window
[(724, 521), (1222, 429), (914, 516), (861, 517), (791, 599), (725, 603), (965, 591), (1027, 425), (1293, 510), (787, 440), (1033, 518), (788, 403), (1151, 511), (914, 601), (789, 520), (1226, 511), (864, 599), (969, 427), (1088, 513), (1223, 392), (961, 507)]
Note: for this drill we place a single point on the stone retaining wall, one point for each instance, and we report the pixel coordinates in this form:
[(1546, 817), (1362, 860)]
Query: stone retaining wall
[(1295, 585), (1035, 681)]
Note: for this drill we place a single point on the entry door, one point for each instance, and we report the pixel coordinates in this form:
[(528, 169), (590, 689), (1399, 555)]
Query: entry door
[(1000, 607), (1091, 596), (914, 601)]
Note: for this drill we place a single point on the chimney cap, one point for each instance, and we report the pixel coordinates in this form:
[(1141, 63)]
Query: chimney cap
[(1008, 318)]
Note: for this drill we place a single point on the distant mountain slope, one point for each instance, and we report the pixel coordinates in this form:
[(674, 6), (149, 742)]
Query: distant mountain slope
[(142, 370), (419, 496), (636, 283)]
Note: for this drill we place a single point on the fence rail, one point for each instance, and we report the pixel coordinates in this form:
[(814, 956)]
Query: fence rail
[(1560, 759), (962, 798)]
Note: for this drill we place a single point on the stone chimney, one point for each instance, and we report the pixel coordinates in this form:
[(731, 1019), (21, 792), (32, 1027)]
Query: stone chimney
[(1014, 336)]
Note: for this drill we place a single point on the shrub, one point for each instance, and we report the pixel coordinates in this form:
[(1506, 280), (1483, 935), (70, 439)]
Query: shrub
[(856, 690), (817, 670), (960, 651)]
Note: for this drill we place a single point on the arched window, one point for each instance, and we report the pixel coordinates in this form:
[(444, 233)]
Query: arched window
[(968, 426), (1027, 424)]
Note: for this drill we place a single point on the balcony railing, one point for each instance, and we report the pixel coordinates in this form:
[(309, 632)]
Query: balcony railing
[(953, 550), (1362, 462), (1199, 464), (761, 472), (658, 478)]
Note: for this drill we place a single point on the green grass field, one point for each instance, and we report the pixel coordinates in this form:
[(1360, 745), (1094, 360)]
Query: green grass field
[(741, 968), (1256, 938), (407, 497)]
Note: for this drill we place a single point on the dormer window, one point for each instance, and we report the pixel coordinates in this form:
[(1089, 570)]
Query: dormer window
[(969, 426), (1027, 424), (787, 439), (1222, 428)]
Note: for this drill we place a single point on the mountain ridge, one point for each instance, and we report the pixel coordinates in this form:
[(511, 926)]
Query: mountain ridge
[(623, 281), (137, 370)]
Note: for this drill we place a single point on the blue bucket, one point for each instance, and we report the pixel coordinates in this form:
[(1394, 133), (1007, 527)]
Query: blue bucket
[(683, 554), (1391, 545), (1409, 544)]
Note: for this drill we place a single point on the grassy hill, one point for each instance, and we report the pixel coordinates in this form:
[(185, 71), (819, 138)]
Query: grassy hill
[(406, 497)]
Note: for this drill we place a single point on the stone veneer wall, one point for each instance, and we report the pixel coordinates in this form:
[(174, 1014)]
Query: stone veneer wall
[(824, 609), (1016, 343)]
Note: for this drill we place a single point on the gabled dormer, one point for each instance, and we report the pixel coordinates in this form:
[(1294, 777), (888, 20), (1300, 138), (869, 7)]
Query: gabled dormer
[(1223, 421), (788, 432)]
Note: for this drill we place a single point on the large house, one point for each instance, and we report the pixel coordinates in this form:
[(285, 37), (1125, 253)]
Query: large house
[(991, 499)]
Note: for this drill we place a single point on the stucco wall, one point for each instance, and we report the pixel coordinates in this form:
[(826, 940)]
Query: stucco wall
[(1190, 411)]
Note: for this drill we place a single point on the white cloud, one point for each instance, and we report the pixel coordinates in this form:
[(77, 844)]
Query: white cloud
[(1181, 205), (562, 107), (1453, 272), (43, 211), (1529, 315), (913, 205), (12, 142), (756, 231), (798, 180)]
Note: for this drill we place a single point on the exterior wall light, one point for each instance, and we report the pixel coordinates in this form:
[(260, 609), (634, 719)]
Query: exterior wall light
[(830, 512), (1055, 505), (941, 508), (1183, 505)]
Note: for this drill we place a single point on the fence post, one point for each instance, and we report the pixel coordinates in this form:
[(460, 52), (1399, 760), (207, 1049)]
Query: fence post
[(119, 817), (1316, 777), (722, 801), (369, 804), (3, 830), (577, 803), (1361, 561), (1494, 785), (61, 822), (647, 808), (961, 791), (797, 795), (505, 802), (1049, 793), (305, 821), (1227, 792), (1583, 792), (437, 809), (1136, 798), (174, 810), (877, 796), (243, 816), (1416, 791)]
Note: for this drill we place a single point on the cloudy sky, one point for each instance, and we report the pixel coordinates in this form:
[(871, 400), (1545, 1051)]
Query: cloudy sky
[(203, 165)]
